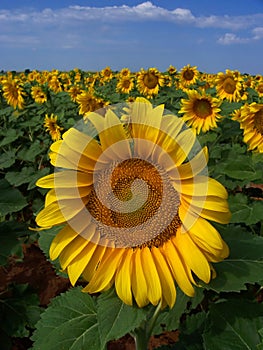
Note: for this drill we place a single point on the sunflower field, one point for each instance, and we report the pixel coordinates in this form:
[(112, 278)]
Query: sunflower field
[(60, 286)]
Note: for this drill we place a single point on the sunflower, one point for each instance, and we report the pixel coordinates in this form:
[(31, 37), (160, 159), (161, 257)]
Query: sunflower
[(50, 123), (13, 93), (259, 88), (250, 117), (200, 111), (38, 94), (125, 84), (55, 84), (135, 209), (188, 75), (228, 85), (88, 102), (106, 75), (74, 91), (149, 82)]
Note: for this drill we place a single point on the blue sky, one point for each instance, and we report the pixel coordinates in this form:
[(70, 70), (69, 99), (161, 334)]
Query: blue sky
[(212, 35)]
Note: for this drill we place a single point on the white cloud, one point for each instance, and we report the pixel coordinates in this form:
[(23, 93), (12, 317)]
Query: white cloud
[(231, 38), (144, 11)]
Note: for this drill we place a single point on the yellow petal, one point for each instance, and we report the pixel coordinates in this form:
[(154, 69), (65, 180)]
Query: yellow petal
[(166, 278), (78, 265), (177, 267), (82, 143), (123, 278), (193, 167), (151, 276), (139, 285), (72, 250), (106, 271), (65, 179), (61, 240), (67, 157), (184, 143), (94, 263), (192, 256), (207, 234)]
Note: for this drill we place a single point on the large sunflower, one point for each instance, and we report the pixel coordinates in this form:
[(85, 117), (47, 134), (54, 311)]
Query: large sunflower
[(135, 199), (228, 85), (149, 82), (200, 111), (250, 117)]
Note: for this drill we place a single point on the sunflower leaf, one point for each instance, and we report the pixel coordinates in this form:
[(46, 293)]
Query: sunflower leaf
[(11, 199), (243, 211), (69, 323), (245, 263), (169, 319), (233, 325), (116, 318)]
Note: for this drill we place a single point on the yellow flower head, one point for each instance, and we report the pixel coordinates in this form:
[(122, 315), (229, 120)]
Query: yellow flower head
[(38, 94), (125, 84), (149, 82), (200, 111), (188, 75), (250, 117), (50, 123), (135, 205), (228, 85), (13, 93)]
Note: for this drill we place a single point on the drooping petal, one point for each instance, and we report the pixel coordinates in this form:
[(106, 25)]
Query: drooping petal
[(192, 256), (106, 270), (166, 278), (123, 278), (139, 284), (78, 265), (177, 267), (151, 276)]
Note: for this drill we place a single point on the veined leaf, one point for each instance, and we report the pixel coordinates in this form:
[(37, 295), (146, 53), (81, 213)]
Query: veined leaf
[(244, 265), (233, 325), (11, 200), (116, 318), (69, 323)]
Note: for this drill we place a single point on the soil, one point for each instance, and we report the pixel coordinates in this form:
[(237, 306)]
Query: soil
[(39, 273)]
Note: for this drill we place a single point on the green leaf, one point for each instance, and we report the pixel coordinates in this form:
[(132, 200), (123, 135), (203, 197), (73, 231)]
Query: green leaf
[(190, 336), (10, 232), (7, 159), (20, 312), (11, 200), (243, 211), (69, 323), (244, 265), (260, 346), (116, 318), (26, 175), (30, 153), (10, 136), (233, 325), (169, 319)]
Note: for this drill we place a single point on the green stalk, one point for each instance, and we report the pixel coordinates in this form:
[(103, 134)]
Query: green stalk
[(142, 334)]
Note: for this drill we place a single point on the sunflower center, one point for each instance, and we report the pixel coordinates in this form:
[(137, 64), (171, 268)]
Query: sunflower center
[(258, 121), (202, 108), (126, 83), (188, 74), (229, 85), (136, 213), (150, 80)]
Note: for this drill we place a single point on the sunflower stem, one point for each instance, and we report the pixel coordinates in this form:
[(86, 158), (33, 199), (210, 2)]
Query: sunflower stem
[(142, 334)]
